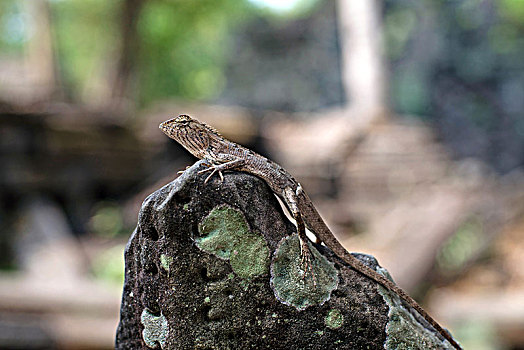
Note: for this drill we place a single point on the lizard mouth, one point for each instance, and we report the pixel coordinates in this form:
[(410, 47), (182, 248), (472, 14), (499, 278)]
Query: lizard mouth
[(163, 125), (168, 125)]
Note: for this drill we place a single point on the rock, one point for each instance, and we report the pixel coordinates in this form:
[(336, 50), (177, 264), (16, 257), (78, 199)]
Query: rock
[(217, 266)]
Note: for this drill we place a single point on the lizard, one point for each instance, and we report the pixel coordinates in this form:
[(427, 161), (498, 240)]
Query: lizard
[(205, 142)]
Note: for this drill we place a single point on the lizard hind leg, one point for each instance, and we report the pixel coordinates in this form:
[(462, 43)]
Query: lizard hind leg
[(305, 250)]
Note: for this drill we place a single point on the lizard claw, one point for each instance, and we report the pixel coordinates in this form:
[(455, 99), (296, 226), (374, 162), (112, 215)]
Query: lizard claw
[(182, 171), (219, 168), (213, 169)]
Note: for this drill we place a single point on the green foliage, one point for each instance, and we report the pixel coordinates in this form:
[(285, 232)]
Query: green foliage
[(86, 33), (409, 90), (478, 334), (184, 46), (512, 10), (399, 25), (458, 250), (108, 265), (107, 220)]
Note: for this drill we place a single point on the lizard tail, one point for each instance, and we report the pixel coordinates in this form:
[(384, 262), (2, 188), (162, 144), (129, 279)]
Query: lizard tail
[(382, 280), (314, 222)]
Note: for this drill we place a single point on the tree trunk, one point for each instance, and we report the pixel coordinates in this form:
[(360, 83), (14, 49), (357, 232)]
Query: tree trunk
[(363, 73), (40, 59), (124, 85)]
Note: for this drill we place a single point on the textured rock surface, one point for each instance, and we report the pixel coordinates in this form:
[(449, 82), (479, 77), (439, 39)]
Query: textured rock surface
[(192, 281)]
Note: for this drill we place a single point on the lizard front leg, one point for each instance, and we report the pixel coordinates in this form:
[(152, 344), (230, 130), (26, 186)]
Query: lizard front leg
[(292, 202), (219, 168)]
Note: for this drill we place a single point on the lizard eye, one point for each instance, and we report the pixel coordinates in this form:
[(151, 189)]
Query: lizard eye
[(183, 119)]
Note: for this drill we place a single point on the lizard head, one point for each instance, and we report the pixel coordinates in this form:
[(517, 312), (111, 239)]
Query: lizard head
[(190, 133)]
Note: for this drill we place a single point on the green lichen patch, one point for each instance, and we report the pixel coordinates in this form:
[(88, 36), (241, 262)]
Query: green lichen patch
[(403, 331), (155, 331), (459, 248), (226, 234), (288, 281), (334, 319), (166, 261)]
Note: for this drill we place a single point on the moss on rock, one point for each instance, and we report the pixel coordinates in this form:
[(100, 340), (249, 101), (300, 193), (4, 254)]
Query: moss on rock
[(226, 234), (289, 282)]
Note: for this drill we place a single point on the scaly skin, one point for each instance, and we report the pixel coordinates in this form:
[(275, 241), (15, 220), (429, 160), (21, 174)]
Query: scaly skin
[(205, 142)]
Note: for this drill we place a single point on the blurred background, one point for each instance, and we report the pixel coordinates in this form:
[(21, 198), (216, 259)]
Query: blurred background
[(403, 119)]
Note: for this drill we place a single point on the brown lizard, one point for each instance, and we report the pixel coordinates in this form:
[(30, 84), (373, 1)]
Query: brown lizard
[(205, 142)]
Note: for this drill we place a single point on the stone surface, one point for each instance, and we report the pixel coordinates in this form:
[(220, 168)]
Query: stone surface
[(214, 266)]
